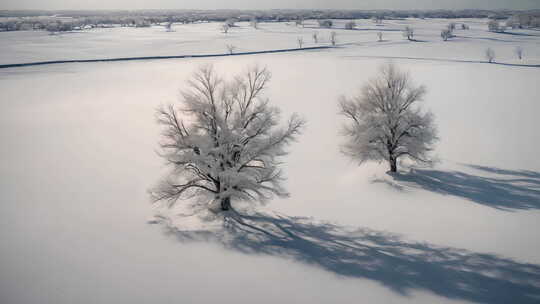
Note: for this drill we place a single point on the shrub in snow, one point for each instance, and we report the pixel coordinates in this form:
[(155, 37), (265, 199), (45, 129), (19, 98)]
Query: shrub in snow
[(384, 123), (223, 143), (494, 26), (350, 25), (142, 23), (490, 55), (464, 26), (168, 27), (408, 32), (58, 26), (299, 21), (52, 28), (519, 52), (446, 34), (325, 23)]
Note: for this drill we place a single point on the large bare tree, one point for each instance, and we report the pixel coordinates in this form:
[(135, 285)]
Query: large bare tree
[(224, 141), (384, 122)]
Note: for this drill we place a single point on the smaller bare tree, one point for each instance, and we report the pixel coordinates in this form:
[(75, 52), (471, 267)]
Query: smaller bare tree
[(380, 36), (300, 41), (333, 39), (519, 52), (384, 122), (490, 54), (231, 48), (254, 23), (315, 37), (408, 32), (225, 28)]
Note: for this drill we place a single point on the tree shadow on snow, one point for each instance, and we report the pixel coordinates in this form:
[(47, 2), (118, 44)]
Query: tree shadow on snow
[(505, 190), (400, 265)]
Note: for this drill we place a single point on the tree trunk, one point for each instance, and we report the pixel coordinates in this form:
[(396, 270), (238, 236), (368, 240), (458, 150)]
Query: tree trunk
[(226, 204), (393, 164)]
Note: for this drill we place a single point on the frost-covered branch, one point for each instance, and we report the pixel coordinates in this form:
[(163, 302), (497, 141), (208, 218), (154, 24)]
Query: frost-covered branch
[(224, 141), (384, 123)]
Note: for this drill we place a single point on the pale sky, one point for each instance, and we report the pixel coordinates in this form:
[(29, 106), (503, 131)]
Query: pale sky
[(269, 4)]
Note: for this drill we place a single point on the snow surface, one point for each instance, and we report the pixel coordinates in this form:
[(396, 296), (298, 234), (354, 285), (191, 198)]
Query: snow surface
[(78, 155)]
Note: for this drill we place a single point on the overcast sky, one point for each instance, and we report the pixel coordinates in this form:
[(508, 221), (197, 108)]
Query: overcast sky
[(268, 4)]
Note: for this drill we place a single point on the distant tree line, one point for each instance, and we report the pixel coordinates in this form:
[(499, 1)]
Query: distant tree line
[(69, 20)]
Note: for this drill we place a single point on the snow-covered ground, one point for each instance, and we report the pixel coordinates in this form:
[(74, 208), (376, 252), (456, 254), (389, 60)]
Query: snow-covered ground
[(207, 38), (78, 154)]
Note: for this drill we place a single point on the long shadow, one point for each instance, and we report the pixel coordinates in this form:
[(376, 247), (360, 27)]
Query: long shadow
[(523, 173), (400, 265), (505, 189)]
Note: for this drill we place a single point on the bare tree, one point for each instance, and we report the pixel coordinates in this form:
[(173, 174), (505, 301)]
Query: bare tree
[(254, 23), (379, 36), (223, 143), (300, 41), (315, 37), (333, 39), (299, 21), (490, 54), (519, 52), (377, 19), (384, 123), (168, 27), (225, 28), (231, 48), (408, 32)]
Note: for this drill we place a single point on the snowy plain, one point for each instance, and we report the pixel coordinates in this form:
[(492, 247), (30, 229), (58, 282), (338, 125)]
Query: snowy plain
[(78, 155)]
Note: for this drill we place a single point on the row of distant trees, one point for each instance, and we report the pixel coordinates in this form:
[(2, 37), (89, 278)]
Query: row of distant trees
[(272, 15), (69, 24), (80, 20), (224, 143)]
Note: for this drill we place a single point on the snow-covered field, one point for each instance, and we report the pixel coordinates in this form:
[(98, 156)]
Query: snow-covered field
[(78, 155)]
